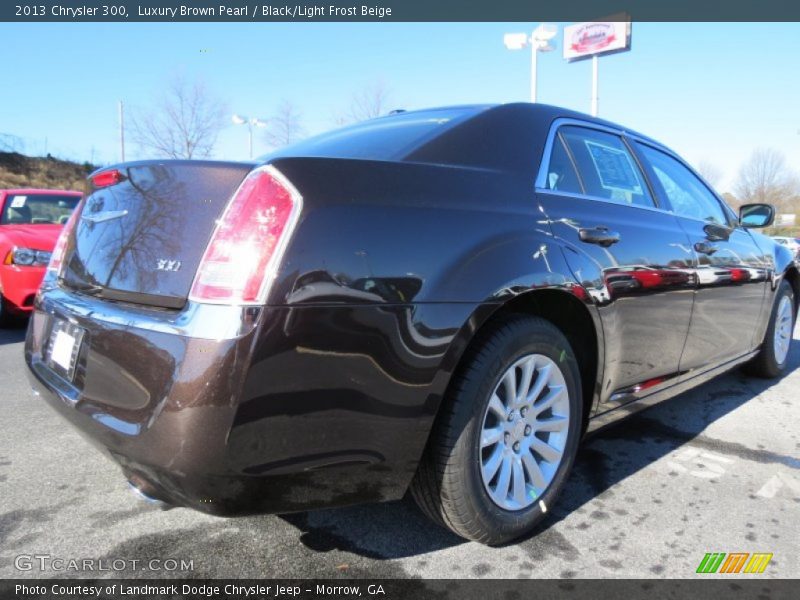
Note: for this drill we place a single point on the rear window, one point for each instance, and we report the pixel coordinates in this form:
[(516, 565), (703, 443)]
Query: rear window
[(561, 175), (33, 209), (384, 138)]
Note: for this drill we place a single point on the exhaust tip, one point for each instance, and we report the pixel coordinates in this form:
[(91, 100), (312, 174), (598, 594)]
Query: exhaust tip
[(140, 491)]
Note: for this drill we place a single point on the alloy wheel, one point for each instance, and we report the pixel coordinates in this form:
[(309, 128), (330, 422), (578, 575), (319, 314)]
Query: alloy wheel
[(783, 329), (524, 432)]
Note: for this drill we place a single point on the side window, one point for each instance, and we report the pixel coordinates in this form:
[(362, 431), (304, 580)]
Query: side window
[(606, 167), (688, 195), (561, 175)]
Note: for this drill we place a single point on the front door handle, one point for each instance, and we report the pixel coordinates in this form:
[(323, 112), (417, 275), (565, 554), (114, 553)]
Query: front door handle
[(705, 248), (598, 235)]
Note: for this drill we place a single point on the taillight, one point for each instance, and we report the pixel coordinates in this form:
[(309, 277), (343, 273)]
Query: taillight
[(106, 178), (244, 252), (57, 257)]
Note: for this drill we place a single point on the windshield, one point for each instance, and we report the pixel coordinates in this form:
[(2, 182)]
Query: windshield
[(38, 209)]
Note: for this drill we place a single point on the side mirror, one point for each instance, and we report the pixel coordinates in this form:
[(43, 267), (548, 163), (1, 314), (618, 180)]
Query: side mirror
[(756, 215)]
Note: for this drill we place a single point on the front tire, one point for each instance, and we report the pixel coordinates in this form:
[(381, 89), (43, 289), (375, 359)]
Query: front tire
[(507, 434), (774, 354)]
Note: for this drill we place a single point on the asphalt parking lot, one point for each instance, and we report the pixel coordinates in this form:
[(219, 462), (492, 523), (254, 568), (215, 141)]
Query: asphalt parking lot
[(714, 470)]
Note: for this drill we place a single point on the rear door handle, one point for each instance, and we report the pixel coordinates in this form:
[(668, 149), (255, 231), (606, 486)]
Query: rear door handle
[(598, 235), (705, 248)]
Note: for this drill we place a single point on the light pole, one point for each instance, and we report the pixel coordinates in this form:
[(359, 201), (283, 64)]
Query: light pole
[(595, 93), (250, 122), (539, 41)]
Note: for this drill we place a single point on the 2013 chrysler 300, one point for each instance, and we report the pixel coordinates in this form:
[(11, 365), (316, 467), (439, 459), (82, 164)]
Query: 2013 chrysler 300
[(443, 300)]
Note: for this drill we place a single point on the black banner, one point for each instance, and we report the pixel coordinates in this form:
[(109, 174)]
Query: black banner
[(396, 10), (730, 588)]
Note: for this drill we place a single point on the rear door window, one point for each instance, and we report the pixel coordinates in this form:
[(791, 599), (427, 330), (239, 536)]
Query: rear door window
[(606, 166)]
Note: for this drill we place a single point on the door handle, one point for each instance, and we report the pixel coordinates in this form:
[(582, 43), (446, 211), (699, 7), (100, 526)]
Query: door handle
[(598, 235), (705, 248)]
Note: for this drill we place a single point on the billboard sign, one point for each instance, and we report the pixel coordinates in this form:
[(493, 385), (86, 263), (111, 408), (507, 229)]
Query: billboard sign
[(595, 38)]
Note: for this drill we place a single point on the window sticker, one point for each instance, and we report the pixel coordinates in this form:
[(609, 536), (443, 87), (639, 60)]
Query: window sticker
[(18, 201), (614, 168)]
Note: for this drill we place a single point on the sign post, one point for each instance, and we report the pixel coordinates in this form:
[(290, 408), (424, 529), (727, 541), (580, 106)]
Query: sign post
[(595, 98), (593, 40)]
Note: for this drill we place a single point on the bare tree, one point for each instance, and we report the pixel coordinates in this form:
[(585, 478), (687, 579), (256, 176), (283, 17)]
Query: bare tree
[(285, 126), (11, 143), (710, 172), (731, 200), (371, 102), (183, 123), (765, 177)]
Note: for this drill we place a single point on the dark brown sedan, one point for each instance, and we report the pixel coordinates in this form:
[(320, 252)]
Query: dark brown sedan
[(445, 300)]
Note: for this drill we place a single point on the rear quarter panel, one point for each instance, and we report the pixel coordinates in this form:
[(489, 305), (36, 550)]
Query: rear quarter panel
[(390, 272)]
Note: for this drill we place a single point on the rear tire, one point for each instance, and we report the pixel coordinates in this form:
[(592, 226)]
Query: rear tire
[(774, 354), (454, 484)]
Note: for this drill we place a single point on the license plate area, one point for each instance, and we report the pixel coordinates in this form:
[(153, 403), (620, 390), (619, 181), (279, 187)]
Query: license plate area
[(63, 348)]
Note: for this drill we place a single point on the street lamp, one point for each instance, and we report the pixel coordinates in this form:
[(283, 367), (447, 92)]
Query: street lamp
[(539, 41), (254, 122)]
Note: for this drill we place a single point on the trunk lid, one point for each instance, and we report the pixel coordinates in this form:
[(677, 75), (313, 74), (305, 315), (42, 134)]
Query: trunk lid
[(142, 239)]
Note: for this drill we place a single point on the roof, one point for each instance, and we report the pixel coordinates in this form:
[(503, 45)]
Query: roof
[(503, 137)]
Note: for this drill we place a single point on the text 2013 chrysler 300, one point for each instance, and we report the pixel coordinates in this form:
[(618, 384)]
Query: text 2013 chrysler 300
[(444, 300)]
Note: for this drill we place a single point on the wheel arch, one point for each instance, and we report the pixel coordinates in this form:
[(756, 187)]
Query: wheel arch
[(792, 275), (569, 309)]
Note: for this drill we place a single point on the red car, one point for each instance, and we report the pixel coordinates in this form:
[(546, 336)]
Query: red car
[(30, 222)]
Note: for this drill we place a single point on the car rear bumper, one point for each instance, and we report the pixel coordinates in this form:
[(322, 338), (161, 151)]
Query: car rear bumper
[(19, 286), (141, 393), (247, 410)]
